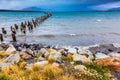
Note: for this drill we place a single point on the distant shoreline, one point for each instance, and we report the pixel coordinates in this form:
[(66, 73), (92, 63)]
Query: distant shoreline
[(56, 11), (19, 11)]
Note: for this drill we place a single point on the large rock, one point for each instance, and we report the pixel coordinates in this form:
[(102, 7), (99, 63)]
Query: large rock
[(1, 48), (71, 50), (43, 52), (2, 64), (11, 50), (4, 46), (40, 59), (50, 50), (104, 48), (116, 45), (100, 55), (113, 54), (80, 58), (29, 51), (25, 55), (55, 64), (13, 58), (80, 68), (56, 56), (41, 63)]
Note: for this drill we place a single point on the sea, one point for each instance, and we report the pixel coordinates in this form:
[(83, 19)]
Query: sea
[(66, 28)]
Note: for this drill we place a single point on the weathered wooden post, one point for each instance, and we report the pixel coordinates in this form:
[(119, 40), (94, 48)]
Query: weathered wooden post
[(1, 37), (14, 37)]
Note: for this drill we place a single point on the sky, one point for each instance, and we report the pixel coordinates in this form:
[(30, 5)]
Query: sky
[(60, 5)]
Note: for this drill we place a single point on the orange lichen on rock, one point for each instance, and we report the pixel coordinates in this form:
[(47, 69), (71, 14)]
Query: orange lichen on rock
[(112, 62)]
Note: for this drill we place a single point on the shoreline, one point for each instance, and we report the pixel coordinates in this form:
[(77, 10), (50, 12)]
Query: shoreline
[(40, 54)]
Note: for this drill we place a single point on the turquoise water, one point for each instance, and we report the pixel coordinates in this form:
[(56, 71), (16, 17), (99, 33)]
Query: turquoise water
[(67, 28)]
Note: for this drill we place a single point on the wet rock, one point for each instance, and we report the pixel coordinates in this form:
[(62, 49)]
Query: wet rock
[(25, 55), (106, 48), (100, 55), (80, 68), (13, 58), (11, 50), (80, 58)]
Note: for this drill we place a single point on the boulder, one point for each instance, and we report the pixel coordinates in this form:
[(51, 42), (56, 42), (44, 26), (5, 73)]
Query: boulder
[(80, 58), (56, 56), (41, 63), (55, 64), (29, 51), (116, 45), (4, 46), (43, 52), (11, 50), (13, 58), (1, 48), (2, 64), (100, 55), (50, 50), (80, 68), (104, 48), (72, 50), (40, 59), (113, 54), (25, 55)]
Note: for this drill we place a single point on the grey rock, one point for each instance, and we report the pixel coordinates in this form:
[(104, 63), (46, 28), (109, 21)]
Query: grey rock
[(11, 50), (80, 67), (113, 54), (106, 48), (2, 64), (40, 59), (1, 48), (80, 58), (29, 51), (100, 55), (25, 55), (42, 63), (13, 58)]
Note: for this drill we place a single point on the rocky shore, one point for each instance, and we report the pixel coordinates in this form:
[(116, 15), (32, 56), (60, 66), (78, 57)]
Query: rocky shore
[(66, 56)]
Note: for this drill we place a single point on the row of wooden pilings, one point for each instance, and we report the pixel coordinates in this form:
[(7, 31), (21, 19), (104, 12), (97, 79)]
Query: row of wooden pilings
[(24, 26)]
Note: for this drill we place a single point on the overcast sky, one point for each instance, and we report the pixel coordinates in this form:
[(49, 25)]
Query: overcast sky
[(61, 5)]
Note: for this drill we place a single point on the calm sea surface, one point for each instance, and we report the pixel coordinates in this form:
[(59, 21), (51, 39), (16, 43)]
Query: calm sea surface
[(67, 28)]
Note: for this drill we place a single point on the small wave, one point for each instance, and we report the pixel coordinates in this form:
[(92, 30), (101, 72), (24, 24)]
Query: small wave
[(98, 20), (48, 35)]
